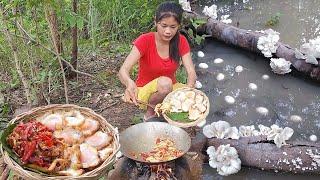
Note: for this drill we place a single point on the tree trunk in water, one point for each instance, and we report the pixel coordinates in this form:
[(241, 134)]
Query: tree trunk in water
[(13, 46), (57, 43), (256, 151), (74, 53), (248, 40)]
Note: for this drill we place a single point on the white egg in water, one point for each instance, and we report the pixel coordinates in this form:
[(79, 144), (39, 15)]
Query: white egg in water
[(198, 85), (202, 123), (200, 54), (313, 138), (295, 118), (220, 77), (203, 65), (229, 99), (218, 61), (262, 110), (253, 86), (265, 77), (239, 69)]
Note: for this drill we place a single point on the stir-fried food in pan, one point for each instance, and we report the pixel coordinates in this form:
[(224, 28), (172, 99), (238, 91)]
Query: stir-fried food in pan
[(164, 150)]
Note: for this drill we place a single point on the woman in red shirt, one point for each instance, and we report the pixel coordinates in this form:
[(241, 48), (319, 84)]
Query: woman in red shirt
[(159, 55)]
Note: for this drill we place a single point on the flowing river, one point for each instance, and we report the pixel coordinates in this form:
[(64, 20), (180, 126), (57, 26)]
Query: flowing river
[(291, 100)]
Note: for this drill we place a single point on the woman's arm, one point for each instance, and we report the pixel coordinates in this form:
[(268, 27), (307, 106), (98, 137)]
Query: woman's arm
[(131, 91), (187, 63)]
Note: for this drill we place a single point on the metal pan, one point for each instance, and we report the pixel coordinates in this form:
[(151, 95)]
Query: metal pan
[(141, 138)]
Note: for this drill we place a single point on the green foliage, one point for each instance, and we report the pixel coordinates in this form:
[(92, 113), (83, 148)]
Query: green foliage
[(137, 118), (181, 75), (179, 116), (191, 25), (274, 20)]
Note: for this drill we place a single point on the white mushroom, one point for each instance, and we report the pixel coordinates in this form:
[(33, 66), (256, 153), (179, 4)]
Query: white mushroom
[(210, 11), (280, 65), (200, 54), (265, 77), (187, 104), (185, 4), (246, 131), (225, 159), (264, 130), (232, 133), (295, 118), (216, 129), (225, 19), (194, 113), (239, 69), (313, 138), (220, 77), (199, 98), (253, 86), (279, 135), (229, 99), (190, 94), (262, 110), (268, 43), (73, 118), (218, 61), (203, 65), (198, 85)]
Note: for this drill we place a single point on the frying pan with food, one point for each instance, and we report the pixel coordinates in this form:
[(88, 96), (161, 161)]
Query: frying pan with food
[(142, 137)]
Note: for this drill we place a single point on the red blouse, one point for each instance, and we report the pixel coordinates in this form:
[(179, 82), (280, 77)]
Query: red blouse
[(151, 65)]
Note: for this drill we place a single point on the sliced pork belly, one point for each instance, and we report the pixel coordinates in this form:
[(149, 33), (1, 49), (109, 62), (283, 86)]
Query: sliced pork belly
[(69, 135), (89, 127), (52, 121), (105, 153), (99, 140), (73, 119), (89, 156)]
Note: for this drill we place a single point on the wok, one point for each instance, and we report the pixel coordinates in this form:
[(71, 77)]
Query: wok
[(142, 137)]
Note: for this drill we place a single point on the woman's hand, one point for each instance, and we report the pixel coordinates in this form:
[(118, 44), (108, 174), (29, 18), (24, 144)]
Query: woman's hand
[(131, 93)]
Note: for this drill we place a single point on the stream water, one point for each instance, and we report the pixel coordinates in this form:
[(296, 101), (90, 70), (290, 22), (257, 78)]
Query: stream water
[(299, 20), (285, 96)]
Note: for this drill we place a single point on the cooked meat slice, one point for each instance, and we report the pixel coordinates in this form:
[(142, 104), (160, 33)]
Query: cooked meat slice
[(89, 156), (99, 140)]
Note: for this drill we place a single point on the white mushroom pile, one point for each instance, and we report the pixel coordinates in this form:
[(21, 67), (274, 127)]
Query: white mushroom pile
[(221, 130), (280, 65), (309, 51), (225, 19), (225, 159), (210, 11), (185, 100), (279, 135), (267, 44), (246, 131), (185, 4)]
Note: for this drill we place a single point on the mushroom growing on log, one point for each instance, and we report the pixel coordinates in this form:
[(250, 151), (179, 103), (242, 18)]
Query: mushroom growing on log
[(248, 40), (256, 151)]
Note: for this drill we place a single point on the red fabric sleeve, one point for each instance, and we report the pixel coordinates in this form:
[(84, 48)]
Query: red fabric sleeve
[(184, 47), (141, 43)]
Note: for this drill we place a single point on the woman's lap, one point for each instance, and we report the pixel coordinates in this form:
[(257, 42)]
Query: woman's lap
[(146, 91)]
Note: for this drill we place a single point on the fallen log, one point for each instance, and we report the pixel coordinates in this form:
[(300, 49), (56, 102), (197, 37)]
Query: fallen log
[(248, 40), (256, 151)]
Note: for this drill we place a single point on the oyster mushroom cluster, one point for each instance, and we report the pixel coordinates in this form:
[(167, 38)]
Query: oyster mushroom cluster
[(225, 159), (280, 65), (184, 100), (267, 44), (309, 51), (222, 130)]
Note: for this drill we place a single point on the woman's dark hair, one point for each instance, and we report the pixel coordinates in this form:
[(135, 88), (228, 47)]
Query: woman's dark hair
[(171, 9)]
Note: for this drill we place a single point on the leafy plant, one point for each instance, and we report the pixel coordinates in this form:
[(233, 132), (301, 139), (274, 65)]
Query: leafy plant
[(179, 116), (190, 29), (274, 20)]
